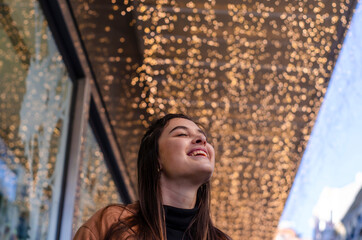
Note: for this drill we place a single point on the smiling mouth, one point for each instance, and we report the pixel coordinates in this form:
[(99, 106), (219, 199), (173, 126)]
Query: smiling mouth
[(198, 153)]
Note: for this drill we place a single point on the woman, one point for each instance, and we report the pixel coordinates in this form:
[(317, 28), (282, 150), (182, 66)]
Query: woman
[(175, 163)]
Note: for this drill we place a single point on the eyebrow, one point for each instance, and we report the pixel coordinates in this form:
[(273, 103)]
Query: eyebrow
[(186, 128)]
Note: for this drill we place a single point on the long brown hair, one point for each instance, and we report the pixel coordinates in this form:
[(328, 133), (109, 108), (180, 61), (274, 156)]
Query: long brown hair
[(150, 218)]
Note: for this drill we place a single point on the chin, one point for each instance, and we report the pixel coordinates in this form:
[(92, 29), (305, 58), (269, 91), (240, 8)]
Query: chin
[(206, 175)]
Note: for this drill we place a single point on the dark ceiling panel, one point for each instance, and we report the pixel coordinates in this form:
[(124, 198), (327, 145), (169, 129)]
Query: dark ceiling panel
[(113, 51)]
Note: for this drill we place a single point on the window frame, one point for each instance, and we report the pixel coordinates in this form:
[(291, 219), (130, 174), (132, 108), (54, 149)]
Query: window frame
[(87, 106)]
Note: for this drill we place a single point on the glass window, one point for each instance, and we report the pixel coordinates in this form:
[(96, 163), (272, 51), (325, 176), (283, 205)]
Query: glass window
[(35, 98), (95, 188)]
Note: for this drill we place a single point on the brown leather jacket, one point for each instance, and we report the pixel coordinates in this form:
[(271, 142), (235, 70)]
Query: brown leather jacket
[(98, 225)]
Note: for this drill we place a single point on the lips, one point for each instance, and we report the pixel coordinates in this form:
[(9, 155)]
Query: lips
[(198, 152)]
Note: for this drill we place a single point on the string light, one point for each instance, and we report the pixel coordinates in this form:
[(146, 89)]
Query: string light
[(95, 188), (253, 72)]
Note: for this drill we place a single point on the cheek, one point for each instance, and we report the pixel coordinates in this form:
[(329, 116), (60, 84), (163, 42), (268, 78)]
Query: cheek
[(211, 151), (162, 152), (171, 151), (177, 145)]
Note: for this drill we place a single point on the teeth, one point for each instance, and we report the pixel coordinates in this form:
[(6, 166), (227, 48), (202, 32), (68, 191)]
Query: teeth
[(198, 152)]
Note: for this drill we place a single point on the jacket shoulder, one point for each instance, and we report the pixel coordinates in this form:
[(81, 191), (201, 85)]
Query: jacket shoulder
[(98, 225)]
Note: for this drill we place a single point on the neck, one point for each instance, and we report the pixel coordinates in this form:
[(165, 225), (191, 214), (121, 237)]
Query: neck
[(178, 193)]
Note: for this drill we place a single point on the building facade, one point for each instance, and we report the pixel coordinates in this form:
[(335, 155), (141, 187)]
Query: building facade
[(353, 219)]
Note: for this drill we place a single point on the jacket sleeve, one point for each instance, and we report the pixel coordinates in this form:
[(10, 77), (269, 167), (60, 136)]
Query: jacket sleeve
[(84, 233), (99, 224)]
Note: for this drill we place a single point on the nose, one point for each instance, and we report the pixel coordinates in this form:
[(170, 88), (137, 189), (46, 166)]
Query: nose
[(200, 139)]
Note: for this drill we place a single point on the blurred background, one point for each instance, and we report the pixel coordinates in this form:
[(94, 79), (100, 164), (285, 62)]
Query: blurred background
[(277, 85)]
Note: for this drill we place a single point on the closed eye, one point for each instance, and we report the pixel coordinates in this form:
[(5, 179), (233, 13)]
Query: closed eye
[(181, 134)]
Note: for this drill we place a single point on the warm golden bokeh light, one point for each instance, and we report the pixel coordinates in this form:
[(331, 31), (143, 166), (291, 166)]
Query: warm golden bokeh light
[(253, 72)]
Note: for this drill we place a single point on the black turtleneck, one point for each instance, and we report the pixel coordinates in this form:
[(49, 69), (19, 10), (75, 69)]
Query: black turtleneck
[(177, 221)]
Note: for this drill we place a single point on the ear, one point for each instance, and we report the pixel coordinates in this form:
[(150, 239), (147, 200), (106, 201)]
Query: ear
[(160, 164)]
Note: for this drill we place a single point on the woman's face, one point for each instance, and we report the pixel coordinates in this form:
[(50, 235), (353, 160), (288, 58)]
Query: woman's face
[(184, 153)]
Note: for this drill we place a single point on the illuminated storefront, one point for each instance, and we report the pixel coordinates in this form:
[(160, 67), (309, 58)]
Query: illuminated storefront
[(39, 117)]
